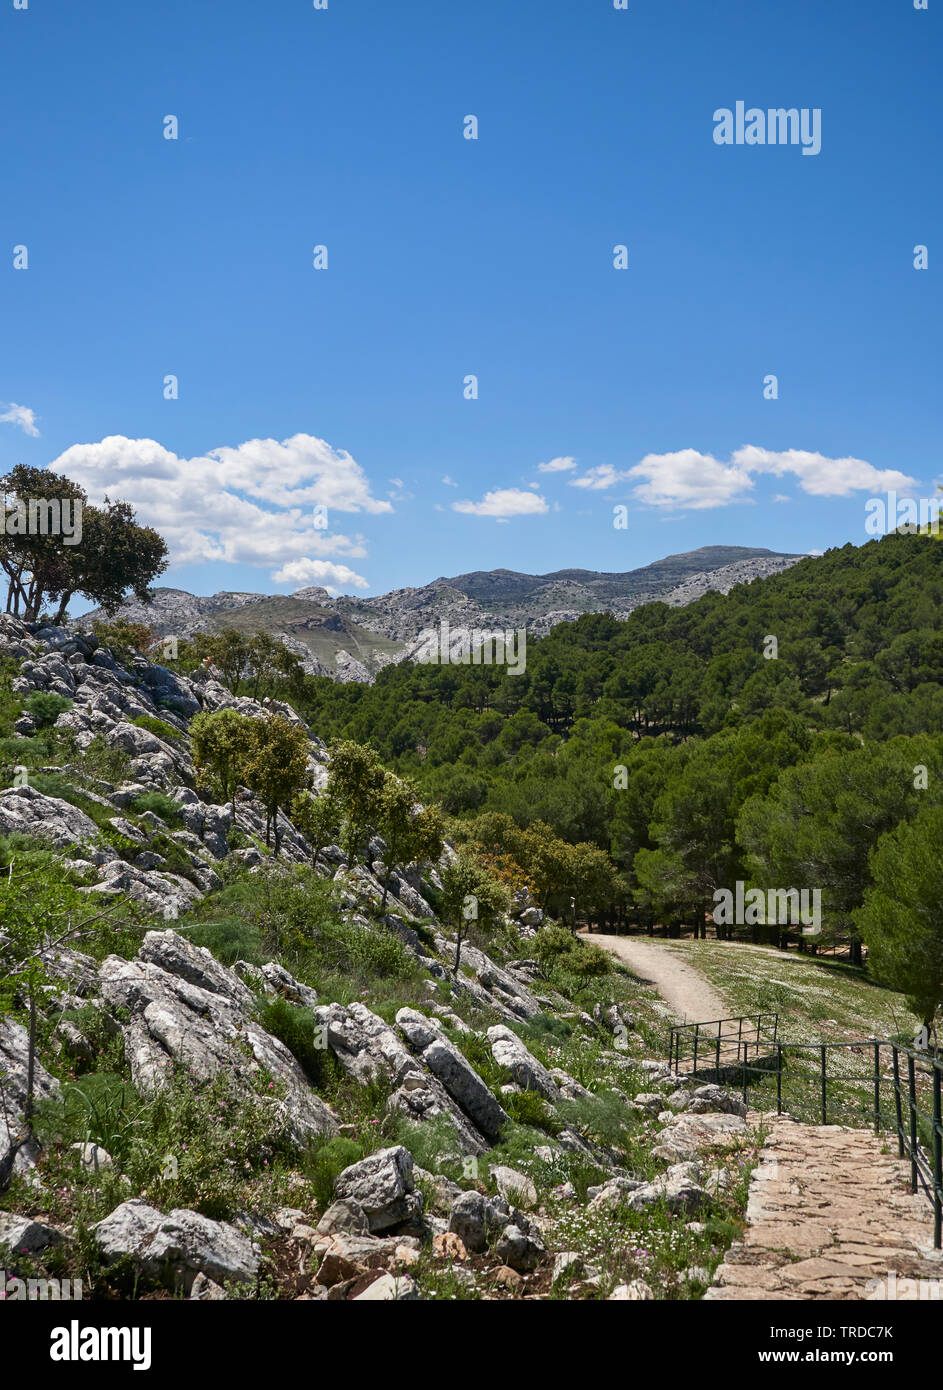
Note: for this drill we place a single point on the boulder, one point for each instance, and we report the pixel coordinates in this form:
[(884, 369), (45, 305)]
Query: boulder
[(634, 1292), (531, 1075), (521, 1251), (515, 1187), (346, 1215), (714, 1098), (176, 1247), (26, 811), (390, 1288), (476, 1219), (21, 1235), (382, 1186)]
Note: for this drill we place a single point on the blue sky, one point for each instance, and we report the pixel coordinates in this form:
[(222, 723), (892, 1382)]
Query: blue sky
[(448, 257)]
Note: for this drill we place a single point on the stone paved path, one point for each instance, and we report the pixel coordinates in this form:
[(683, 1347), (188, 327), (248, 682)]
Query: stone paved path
[(831, 1216)]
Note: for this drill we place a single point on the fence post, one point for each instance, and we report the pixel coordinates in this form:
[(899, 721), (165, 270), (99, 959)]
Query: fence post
[(937, 1154), (912, 1102), (897, 1104), (877, 1088), (779, 1079), (824, 1092), (717, 1057), (697, 1027)]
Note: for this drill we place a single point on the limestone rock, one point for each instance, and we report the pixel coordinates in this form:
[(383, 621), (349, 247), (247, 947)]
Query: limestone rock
[(382, 1185), (178, 1246)]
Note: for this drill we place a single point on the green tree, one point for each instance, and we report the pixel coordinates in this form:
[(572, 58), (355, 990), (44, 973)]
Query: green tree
[(276, 767), (901, 919), (221, 745), (411, 832), (113, 555), (319, 819), (356, 781), (471, 895)]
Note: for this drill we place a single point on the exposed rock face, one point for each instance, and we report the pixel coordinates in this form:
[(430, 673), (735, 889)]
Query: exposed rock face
[(458, 1077), (186, 1008), (21, 1235), (26, 811), (178, 1246), (368, 1048), (14, 1058), (531, 1075), (685, 1136)]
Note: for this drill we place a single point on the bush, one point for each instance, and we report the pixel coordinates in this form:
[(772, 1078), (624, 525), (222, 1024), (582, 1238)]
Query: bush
[(158, 728), (296, 1027), (158, 803), (45, 706), (529, 1108), (557, 948), (124, 639), (230, 939), (324, 1162), (110, 764), (298, 923)]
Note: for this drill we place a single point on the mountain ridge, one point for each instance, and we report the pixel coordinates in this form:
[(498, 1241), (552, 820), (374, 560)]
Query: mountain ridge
[(351, 638)]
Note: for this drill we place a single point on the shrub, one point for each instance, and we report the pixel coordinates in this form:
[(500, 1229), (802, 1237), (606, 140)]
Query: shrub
[(158, 728), (556, 947), (230, 939), (124, 639), (325, 1161), (529, 1108), (45, 706), (297, 1027), (110, 764), (159, 804)]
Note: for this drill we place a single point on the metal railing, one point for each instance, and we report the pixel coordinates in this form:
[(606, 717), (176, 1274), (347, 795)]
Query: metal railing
[(899, 1092)]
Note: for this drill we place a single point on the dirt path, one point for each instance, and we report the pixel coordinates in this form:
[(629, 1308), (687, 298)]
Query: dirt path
[(830, 1216), (679, 984)]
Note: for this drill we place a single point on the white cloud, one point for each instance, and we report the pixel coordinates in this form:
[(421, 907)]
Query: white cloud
[(504, 502), (449, 482), (560, 465), (820, 476), (334, 578), (249, 504), (21, 416), (696, 481), (689, 479), (781, 497), (599, 478)]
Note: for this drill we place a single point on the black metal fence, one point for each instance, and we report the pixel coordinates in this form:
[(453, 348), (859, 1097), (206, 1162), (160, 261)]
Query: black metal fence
[(894, 1089)]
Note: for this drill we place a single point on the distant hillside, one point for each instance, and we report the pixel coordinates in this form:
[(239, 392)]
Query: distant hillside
[(352, 638)]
